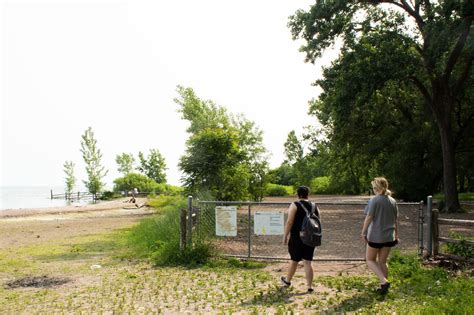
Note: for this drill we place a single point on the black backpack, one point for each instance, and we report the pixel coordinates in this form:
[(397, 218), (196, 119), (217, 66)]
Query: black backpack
[(311, 229)]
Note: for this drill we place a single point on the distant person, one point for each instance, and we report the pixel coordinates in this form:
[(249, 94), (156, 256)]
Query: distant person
[(134, 194), (380, 231), (297, 250)]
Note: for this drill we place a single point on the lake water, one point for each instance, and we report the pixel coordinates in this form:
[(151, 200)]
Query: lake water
[(30, 197)]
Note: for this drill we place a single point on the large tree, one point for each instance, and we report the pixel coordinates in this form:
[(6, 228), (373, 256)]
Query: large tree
[(437, 59), (125, 162), (153, 165), (224, 154), (93, 160)]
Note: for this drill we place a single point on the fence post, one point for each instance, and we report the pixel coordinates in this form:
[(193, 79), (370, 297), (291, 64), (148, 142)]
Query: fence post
[(182, 229), (429, 215), (51, 194), (435, 232), (421, 221), (190, 221), (250, 233)]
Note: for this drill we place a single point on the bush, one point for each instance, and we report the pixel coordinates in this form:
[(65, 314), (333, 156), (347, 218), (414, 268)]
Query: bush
[(462, 249), (145, 184), (321, 185), (133, 180), (158, 238), (108, 195), (275, 190)]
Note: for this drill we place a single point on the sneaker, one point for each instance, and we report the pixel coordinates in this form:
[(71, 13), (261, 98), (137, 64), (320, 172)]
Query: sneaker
[(383, 288), (285, 282)]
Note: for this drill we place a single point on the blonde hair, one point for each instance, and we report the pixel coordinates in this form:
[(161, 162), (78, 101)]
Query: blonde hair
[(381, 184)]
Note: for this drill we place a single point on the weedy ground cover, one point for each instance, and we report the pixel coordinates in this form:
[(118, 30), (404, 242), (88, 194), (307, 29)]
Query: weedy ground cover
[(135, 270)]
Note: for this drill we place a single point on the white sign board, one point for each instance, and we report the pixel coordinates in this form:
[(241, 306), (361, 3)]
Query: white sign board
[(268, 223), (226, 221)]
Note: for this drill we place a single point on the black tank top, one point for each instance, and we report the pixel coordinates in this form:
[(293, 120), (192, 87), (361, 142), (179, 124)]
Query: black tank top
[(299, 217)]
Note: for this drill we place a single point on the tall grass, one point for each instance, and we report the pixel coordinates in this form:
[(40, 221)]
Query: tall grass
[(158, 238)]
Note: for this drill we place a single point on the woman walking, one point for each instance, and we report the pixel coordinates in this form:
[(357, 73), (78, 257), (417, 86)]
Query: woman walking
[(297, 250), (380, 231)]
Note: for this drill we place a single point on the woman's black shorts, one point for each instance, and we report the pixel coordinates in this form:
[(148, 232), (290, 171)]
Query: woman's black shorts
[(380, 245), (298, 250)]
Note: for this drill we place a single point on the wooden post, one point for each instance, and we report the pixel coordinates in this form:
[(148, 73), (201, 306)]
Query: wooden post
[(435, 230), (51, 194), (182, 229)]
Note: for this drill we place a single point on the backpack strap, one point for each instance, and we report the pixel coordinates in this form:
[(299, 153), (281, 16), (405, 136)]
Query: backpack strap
[(314, 209)]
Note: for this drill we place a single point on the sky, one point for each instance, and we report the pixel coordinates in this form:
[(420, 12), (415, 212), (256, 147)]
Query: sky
[(114, 66)]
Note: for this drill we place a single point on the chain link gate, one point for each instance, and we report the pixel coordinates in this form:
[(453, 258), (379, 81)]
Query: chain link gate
[(342, 222)]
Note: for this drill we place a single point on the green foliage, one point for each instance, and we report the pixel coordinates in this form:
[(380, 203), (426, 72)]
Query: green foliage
[(92, 158), (415, 289), (125, 163), (404, 70), (158, 238), (282, 175), (153, 165), (70, 178), (461, 249), (321, 185), (275, 190), (224, 153), (108, 195), (134, 180)]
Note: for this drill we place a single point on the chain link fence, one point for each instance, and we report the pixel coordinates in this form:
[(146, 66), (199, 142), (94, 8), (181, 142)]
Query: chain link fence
[(255, 230)]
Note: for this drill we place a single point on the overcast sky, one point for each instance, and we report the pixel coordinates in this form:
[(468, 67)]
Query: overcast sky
[(115, 65)]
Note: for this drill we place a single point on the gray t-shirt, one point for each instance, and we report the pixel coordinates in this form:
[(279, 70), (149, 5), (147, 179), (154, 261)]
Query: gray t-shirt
[(384, 212)]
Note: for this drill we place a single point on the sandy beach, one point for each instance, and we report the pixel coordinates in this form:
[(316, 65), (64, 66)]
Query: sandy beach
[(33, 226)]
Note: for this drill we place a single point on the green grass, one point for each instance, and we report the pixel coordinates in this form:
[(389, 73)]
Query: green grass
[(127, 284), (462, 196)]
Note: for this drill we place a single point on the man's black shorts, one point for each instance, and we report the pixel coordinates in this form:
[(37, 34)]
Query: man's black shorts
[(380, 245), (299, 251)]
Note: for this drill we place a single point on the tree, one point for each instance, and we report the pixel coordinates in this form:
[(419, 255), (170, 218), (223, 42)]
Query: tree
[(92, 158), (125, 163), (437, 59), (224, 154), (153, 166), (70, 178)]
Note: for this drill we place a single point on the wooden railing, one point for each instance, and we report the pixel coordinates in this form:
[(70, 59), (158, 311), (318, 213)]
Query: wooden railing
[(437, 221)]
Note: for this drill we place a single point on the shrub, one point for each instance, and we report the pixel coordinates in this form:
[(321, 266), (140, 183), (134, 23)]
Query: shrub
[(145, 184), (275, 190), (133, 180), (107, 195), (321, 185), (158, 238), (461, 249)]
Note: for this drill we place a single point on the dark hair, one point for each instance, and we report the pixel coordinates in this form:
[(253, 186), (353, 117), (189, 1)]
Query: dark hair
[(302, 192)]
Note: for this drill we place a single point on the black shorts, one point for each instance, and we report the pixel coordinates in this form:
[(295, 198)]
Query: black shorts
[(380, 245), (298, 250)]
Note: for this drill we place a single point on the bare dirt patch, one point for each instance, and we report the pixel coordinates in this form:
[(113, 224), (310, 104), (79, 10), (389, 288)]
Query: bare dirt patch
[(37, 282)]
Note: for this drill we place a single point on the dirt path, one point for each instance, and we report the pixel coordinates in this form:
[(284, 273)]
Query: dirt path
[(35, 226)]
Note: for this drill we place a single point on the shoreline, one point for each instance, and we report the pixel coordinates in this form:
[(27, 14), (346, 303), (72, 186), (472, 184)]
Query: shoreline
[(118, 204)]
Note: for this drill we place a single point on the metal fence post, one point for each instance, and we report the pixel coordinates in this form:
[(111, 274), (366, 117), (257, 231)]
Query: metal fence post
[(190, 222), (421, 221), (429, 215), (250, 234)]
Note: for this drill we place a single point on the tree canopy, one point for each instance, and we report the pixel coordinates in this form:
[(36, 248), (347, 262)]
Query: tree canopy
[(224, 154), (404, 70)]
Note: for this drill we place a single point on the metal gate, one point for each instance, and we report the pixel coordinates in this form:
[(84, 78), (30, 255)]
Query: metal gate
[(342, 223)]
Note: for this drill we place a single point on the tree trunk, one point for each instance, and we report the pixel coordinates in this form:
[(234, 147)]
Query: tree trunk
[(443, 119)]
